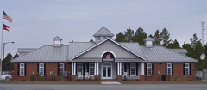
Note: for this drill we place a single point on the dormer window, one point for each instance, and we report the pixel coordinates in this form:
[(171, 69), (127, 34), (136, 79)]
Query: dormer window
[(102, 34), (149, 42), (57, 41)]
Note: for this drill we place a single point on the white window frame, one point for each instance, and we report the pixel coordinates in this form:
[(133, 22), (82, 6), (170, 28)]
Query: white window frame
[(187, 73), (41, 68), (63, 66), (149, 73), (91, 68), (21, 69), (169, 68), (81, 67), (134, 67), (122, 69)]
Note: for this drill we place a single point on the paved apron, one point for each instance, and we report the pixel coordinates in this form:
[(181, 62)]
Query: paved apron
[(110, 82)]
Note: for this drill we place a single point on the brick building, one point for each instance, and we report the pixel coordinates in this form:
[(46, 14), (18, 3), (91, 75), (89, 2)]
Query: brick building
[(104, 59)]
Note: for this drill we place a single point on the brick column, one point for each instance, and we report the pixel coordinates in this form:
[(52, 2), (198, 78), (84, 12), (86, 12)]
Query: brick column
[(96, 77), (73, 77), (119, 77), (142, 77)]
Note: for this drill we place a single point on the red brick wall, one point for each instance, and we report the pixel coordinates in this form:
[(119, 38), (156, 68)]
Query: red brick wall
[(30, 67), (177, 71)]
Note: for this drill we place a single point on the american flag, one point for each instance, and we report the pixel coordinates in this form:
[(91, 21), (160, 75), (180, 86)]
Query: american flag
[(7, 17)]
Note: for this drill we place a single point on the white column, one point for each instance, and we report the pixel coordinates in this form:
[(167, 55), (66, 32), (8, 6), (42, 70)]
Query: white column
[(95, 69), (74, 68), (120, 68), (142, 68)]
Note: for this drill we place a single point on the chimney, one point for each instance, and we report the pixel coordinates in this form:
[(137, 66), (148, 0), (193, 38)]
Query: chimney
[(149, 42)]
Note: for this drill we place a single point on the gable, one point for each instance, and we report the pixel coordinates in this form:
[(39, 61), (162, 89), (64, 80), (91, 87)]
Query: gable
[(108, 46)]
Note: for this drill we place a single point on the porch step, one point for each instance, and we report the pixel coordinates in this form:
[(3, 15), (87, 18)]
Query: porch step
[(110, 82)]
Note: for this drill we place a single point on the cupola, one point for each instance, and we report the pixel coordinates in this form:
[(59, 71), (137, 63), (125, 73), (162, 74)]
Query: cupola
[(149, 42), (57, 41), (102, 34)]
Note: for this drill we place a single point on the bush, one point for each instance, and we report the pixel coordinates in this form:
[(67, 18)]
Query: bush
[(23, 80), (53, 77), (37, 76), (32, 77), (176, 78), (168, 77), (125, 78), (45, 78)]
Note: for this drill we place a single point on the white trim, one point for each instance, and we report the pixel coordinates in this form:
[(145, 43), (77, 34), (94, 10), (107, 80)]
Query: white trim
[(120, 68), (95, 69), (110, 52), (188, 69), (148, 68), (142, 68), (41, 68), (106, 71), (131, 69), (170, 69), (72, 69), (20, 69)]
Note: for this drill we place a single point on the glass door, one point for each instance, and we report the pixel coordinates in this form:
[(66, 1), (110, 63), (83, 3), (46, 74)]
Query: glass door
[(106, 71)]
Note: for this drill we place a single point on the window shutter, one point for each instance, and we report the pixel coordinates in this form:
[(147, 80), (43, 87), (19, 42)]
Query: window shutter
[(76, 69), (38, 67), (87, 66), (18, 69), (84, 69), (58, 68), (184, 69), (137, 69), (65, 66), (172, 68), (190, 68), (25, 69), (146, 68), (125, 67), (129, 69), (44, 68), (152, 68)]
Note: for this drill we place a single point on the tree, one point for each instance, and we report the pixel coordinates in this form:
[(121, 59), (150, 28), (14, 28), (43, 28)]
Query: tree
[(151, 36), (6, 64), (139, 36), (194, 40), (157, 37), (129, 35), (165, 36), (174, 45), (91, 40), (120, 37)]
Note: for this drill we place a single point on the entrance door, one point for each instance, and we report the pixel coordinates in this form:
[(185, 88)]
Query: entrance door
[(107, 71)]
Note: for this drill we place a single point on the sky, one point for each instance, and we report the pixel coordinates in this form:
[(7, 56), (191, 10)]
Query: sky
[(37, 22)]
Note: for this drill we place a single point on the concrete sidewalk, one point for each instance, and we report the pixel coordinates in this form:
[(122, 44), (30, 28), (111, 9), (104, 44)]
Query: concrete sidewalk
[(110, 82)]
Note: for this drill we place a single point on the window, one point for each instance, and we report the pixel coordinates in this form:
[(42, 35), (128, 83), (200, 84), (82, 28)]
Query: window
[(122, 69), (169, 68), (80, 68), (91, 69), (97, 38), (21, 69), (104, 37), (149, 69), (61, 68), (132, 69), (187, 70), (41, 68)]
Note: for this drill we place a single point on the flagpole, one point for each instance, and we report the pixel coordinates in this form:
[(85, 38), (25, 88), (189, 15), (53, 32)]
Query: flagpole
[(1, 49)]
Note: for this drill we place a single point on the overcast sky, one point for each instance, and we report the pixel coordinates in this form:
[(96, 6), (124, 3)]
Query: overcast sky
[(37, 22)]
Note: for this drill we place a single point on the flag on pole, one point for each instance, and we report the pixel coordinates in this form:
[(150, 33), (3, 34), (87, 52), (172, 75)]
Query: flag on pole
[(7, 17), (5, 27)]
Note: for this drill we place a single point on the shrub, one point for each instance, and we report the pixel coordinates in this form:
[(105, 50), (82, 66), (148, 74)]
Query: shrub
[(53, 77), (45, 78), (125, 78), (23, 80), (32, 77), (176, 78), (168, 77), (37, 76)]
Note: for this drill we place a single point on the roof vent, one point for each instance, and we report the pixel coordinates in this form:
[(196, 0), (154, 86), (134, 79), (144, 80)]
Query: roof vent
[(149, 42), (57, 41)]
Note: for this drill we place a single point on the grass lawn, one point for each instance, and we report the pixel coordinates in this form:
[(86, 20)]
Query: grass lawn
[(163, 82), (52, 82)]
